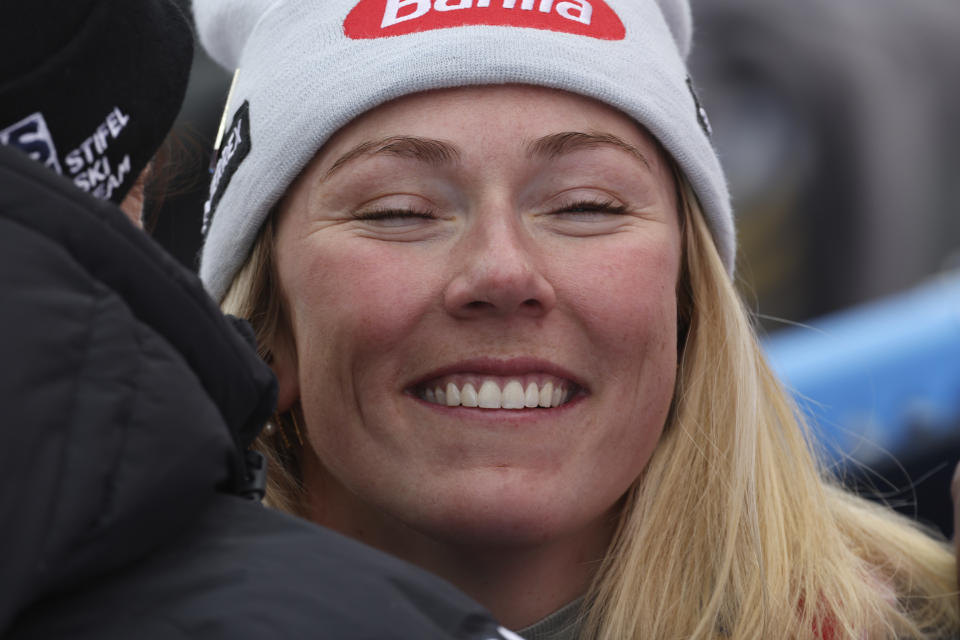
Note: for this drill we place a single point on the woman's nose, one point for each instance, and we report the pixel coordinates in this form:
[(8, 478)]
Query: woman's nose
[(497, 274)]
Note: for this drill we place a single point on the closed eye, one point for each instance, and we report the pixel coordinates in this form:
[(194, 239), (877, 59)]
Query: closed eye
[(587, 216), (586, 209), (387, 214), (392, 218)]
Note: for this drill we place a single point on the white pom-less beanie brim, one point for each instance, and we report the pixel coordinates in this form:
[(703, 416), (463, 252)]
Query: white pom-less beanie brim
[(306, 69)]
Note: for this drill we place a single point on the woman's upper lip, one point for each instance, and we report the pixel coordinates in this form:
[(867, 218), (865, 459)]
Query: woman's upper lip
[(503, 367)]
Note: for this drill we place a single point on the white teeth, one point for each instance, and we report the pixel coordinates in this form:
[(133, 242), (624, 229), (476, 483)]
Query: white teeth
[(453, 395), (489, 395), (468, 396), (512, 396), (532, 397), (546, 395)]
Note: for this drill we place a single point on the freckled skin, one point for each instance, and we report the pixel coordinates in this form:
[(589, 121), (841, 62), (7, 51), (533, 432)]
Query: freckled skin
[(501, 271)]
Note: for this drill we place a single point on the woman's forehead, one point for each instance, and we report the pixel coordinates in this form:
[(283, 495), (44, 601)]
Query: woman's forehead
[(464, 119)]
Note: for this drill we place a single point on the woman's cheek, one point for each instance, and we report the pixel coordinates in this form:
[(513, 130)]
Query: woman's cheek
[(621, 295), (367, 288)]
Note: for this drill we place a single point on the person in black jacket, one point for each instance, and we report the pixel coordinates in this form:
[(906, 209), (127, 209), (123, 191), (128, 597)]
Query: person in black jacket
[(130, 399)]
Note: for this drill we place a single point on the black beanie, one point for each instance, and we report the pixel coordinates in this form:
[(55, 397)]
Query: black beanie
[(90, 88)]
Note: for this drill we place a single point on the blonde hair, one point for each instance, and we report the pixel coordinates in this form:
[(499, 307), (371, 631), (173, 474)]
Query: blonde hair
[(733, 530)]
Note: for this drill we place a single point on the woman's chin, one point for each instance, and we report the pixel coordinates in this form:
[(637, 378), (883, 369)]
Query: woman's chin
[(503, 518)]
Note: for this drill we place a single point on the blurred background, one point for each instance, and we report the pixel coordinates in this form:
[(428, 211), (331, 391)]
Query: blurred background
[(838, 123)]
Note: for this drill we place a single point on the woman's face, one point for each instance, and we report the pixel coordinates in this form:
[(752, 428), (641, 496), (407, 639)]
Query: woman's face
[(481, 294)]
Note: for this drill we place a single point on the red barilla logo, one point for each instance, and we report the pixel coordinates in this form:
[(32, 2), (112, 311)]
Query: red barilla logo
[(383, 18)]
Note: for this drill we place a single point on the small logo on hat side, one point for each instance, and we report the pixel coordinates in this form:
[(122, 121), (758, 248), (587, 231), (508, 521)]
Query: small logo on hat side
[(701, 112), (384, 18), (234, 149), (32, 136)]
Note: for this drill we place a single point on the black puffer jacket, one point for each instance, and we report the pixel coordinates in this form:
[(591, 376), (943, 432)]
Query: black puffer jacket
[(127, 399)]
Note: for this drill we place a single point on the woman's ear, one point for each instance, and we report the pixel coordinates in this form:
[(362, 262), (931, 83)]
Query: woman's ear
[(283, 361)]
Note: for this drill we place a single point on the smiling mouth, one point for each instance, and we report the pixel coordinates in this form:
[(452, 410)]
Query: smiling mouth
[(489, 392)]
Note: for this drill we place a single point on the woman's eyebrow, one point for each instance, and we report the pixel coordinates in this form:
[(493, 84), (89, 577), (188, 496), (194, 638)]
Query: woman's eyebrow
[(436, 152), (558, 144)]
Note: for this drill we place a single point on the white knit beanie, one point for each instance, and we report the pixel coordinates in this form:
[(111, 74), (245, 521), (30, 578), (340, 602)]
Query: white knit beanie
[(308, 67)]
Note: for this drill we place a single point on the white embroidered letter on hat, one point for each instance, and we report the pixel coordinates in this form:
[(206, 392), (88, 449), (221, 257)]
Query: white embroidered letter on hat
[(391, 14)]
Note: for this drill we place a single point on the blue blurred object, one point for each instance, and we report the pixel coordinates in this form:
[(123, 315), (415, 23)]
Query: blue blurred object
[(882, 380)]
